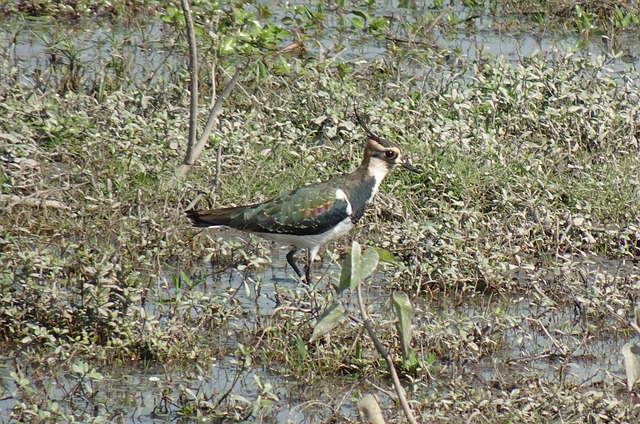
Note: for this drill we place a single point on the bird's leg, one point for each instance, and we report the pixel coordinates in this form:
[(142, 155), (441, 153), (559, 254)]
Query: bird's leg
[(307, 274), (311, 255), (292, 261)]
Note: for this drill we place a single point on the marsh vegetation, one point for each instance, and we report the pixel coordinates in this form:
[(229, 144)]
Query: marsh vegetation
[(517, 246)]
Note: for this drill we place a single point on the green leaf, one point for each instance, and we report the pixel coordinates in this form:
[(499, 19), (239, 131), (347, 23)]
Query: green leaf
[(411, 363), (186, 280), (94, 375), (404, 312), (308, 13), (177, 283), (367, 264), (345, 273), (80, 368), (357, 23), (430, 360), (331, 317), (357, 266), (386, 256), (227, 44), (357, 354), (21, 381), (301, 348), (631, 354), (363, 15)]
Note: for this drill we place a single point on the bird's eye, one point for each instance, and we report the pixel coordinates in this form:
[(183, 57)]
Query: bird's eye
[(390, 154)]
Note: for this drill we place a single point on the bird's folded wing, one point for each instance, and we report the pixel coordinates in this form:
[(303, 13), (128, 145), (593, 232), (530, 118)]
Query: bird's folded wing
[(306, 211)]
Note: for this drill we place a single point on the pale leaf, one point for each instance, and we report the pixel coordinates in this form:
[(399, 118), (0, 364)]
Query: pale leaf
[(357, 266), (369, 408), (631, 354), (404, 312), (331, 317), (386, 256)]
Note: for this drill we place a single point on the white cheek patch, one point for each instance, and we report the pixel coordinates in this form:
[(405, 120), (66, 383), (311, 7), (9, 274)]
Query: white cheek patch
[(341, 195), (378, 169)]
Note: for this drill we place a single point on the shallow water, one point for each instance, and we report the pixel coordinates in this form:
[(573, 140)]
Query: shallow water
[(535, 341), (36, 42)]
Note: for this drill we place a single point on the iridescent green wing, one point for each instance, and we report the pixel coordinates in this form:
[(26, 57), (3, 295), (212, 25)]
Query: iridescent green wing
[(305, 211)]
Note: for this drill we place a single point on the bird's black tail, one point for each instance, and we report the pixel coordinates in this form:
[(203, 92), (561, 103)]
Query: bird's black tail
[(215, 217)]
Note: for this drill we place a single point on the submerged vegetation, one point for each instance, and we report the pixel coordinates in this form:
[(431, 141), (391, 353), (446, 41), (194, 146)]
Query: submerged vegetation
[(518, 245)]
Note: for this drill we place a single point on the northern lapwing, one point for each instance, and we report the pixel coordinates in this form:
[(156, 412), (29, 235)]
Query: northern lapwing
[(314, 215)]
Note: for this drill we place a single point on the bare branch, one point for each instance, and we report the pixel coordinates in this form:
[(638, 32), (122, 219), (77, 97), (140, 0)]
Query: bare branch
[(383, 352), (196, 144), (194, 153), (215, 111), (193, 84)]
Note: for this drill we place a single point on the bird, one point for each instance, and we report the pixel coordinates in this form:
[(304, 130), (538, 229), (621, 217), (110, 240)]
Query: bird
[(313, 215)]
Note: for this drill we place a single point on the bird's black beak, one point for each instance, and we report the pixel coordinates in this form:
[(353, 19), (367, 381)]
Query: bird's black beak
[(408, 166)]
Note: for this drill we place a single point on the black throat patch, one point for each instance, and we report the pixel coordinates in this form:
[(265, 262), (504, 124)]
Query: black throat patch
[(359, 197)]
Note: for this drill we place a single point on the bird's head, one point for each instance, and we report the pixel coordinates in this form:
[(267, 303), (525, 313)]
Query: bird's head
[(381, 155)]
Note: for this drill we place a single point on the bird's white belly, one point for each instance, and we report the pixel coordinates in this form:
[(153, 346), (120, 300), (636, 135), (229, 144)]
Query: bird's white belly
[(312, 240)]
